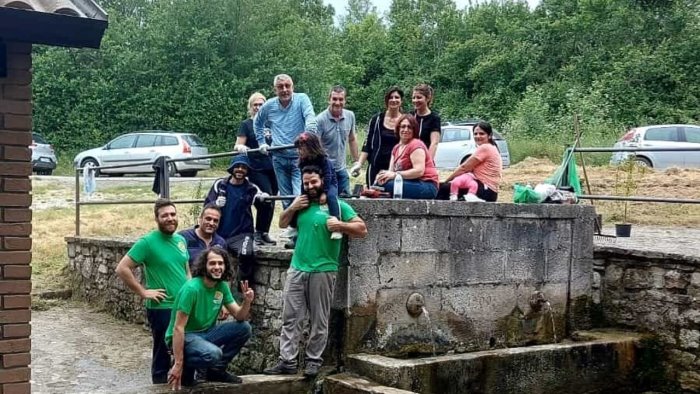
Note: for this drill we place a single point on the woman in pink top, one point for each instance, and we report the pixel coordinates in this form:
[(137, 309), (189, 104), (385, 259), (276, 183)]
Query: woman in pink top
[(478, 178), (410, 159)]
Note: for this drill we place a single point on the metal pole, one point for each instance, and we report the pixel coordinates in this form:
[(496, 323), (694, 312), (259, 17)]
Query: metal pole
[(638, 149), (640, 199), (77, 202)]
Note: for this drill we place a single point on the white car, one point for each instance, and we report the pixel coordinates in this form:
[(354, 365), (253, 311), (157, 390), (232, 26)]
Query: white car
[(43, 156), (145, 147), (457, 144), (661, 136)]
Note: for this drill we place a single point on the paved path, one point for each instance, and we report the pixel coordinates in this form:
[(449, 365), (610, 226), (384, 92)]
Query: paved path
[(78, 350), (676, 240)]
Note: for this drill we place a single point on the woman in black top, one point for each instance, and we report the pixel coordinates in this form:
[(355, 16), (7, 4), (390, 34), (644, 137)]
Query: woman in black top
[(261, 172), (381, 138), (428, 121)]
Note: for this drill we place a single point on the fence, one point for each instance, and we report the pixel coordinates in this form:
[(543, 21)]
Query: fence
[(162, 174)]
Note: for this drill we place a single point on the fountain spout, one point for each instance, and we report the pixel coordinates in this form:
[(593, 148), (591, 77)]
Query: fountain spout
[(415, 304)]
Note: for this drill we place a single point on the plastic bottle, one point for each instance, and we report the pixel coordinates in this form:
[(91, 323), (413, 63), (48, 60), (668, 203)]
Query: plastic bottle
[(398, 187)]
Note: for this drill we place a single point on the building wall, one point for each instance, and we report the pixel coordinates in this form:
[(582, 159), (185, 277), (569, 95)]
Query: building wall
[(15, 220)]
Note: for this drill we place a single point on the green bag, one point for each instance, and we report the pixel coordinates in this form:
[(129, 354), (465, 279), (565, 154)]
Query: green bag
[(524, 195), (566, 175)]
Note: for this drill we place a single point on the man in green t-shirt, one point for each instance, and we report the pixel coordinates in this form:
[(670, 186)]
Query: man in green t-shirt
[(196, 340), (162, 254), (311, 276)]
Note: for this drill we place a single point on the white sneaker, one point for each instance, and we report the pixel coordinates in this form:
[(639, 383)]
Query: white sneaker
[(289, 232), (472, 198), (453, 197), (336, 235)]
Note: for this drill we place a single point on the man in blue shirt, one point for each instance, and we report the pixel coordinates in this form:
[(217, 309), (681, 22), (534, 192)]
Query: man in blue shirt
[(287, 115), (204, 235), (235, 195)]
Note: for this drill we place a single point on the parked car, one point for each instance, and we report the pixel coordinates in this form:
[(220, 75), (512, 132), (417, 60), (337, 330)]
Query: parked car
[(457, 144), (43, 156), (146, 147), (661, 136)]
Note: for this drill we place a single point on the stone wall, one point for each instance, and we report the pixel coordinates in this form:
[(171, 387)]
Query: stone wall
[(15, 218), (655, 293), (475, 265)]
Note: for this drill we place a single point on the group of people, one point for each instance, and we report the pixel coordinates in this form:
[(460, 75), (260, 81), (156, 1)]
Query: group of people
[(187, 295)]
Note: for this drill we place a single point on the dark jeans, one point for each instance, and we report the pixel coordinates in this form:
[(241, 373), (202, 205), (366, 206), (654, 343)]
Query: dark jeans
[(482, 192), (264, 210), (217, 346), (343, 181), (159, 319), (241, 247), (414, 189)]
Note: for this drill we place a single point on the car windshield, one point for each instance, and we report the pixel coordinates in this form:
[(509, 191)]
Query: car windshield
[(38, 139), (192, 139)]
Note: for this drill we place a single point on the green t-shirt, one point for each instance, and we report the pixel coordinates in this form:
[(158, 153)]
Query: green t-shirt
[(315, 250), (201, 304), (164, 258)]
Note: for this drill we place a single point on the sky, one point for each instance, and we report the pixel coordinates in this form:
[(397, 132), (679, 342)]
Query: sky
[(383, 5)]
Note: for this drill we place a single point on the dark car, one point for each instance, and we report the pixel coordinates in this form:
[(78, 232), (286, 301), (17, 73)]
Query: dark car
[(43, 156)]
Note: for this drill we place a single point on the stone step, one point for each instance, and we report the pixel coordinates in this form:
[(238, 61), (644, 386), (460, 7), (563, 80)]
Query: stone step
[(348, 383), (252, 384)]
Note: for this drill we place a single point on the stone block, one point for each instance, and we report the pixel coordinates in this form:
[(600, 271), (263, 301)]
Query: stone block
[(407, 270), (682, 359), (558, 264), (387, 232), (274, 299), (363, 282), (637, 279), (513, 234), (485, 303), (525, 265), (688, 339), (675, 280), (689, 381), (465, 233), (422, 235), (470, 267)]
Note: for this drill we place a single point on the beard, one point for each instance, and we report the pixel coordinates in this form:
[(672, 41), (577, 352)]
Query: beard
[(164, 228), (212, 278), (314, 193)]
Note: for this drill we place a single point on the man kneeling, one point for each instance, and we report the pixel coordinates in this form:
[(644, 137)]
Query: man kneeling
[(197, 342)]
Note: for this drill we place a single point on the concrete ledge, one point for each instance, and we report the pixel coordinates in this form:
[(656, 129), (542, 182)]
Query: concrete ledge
[(252, 384), (347, 383), (601, 252)]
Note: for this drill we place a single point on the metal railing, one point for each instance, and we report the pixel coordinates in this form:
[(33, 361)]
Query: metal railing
[(163, 173), (637, 198)]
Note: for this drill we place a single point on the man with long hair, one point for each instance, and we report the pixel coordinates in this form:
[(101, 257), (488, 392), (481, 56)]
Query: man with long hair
[(162, 254), (196, 340), (308, 290)]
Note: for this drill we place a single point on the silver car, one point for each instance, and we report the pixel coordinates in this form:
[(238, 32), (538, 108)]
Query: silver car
[(661, 136), (43, 156), (146, 147), (457, 144)]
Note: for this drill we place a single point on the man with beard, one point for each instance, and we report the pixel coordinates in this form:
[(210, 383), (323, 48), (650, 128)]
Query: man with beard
[(196, 340), (308, 289), (204, 235), (235, 195), (163, 256), (335, 127)]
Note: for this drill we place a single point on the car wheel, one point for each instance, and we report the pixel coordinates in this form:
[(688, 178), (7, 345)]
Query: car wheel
[(91, 162), (48, 172), (465, 158), (189, 174), (643, 162), (172, 170)]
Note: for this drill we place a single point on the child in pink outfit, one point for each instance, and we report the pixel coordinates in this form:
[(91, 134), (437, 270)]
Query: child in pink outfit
[(464, 181)]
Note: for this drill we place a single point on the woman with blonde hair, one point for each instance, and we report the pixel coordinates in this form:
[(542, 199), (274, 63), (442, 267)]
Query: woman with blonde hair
[(261, 172)]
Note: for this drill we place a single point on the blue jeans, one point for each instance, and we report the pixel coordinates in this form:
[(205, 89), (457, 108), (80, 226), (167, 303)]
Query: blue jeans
[(414, 189), (343, 181), (216, 347), (158, 320), (288, 176)]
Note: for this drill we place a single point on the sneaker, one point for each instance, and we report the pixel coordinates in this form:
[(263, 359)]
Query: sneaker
[(472, 198), (265, 237), (281, 368), (311, 370), (219, 375), (336, 235), (453, 197), (258, 239), (290, 232), (290, 244)]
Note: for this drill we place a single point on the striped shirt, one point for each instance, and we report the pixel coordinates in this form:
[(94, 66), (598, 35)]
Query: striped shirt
[(286, 123)]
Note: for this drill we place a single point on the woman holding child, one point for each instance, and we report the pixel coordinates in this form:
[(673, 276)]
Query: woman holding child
[(479, 177), (411, 161)]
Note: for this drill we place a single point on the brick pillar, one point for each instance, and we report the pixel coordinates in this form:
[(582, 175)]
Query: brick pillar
[(15, 220)]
